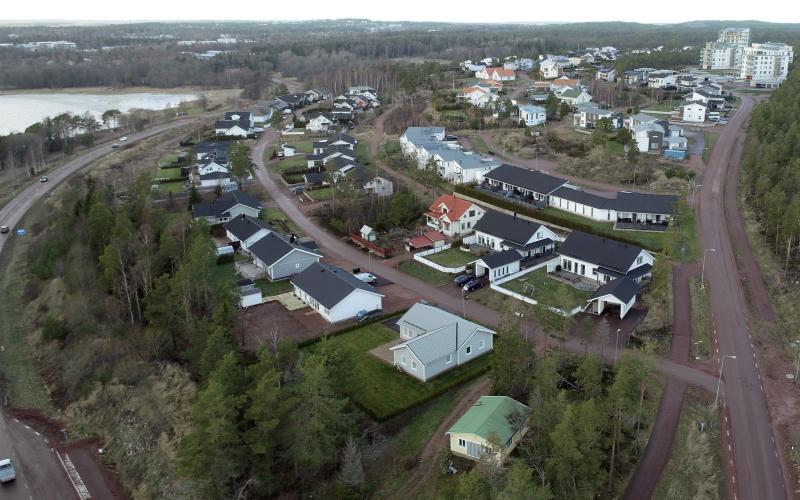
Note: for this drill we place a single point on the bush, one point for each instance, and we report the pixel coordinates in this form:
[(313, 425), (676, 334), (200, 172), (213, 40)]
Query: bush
[(226, 259), (54, 328)]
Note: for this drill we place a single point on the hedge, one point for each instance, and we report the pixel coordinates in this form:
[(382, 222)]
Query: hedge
[(552, 218), (167, 180), (375, 319)]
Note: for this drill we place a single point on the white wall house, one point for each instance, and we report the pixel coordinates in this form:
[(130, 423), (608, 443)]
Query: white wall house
[(498, 232), (695, 112), (532, 115), (334, 293), (320, 123), (453, 216), (602, 259), (549, 69)]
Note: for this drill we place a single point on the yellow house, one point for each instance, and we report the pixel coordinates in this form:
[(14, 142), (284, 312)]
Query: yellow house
[(491, 428)]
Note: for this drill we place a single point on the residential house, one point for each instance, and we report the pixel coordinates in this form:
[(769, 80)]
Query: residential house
[(226, 207), (293, 101), (240, 116), (644, 207), (497, 74), (329, 153), (214, 149), (214, 179), (281, 258), (233, 128), (246, 230), (334, 293), (463, 167), (712, 101), (498, 265), (601, 260), (490, 429), (662, 79), (435, 341), (532, 115), (480, 95), (634, 78), (549, 69), (587, 117), (563, 83), (574, 97), (618, 293), (606, 74), (361, 177), (573, 199), (425, 241), (210, 165), (422, 143), (695, 112), (335, 139), (531, 185), (320, 122), (453, 216), (499, 231)]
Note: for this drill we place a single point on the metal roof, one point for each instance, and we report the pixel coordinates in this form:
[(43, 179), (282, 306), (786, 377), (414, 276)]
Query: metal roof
[(623, 289), (531, 180), (329, 284), (499, 259), (604, 252), (489, 418), (507, 227)]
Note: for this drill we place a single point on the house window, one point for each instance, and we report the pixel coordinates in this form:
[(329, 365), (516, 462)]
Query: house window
[(539, 235), (462, 443), (403, 360), (449, 358), (639, 259), (469, 350), (482, 344), (413, 365), (472, 213)]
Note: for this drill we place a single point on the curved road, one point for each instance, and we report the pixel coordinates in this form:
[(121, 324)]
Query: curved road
[(39, 472), (757, 470)]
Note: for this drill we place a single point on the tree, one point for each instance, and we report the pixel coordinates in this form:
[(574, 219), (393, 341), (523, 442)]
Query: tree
[(98, 226), (512, 365), (241, 164), (551, 106), (624, 136), (276, 120), (589, 377), (520, 484), (352, 472), (111, 118), (471, 486), (212, 453), (563, 110)]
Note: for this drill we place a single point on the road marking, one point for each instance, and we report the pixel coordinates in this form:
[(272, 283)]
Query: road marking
[(28, 427), (37, 433), (729, 447), (728, 432), (16, 420)]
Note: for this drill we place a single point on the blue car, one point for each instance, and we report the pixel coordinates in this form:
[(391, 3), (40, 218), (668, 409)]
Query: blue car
[(472, 285), (462, 279)]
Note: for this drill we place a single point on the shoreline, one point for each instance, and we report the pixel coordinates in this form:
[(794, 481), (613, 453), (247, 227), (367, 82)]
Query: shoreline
[(120, 90)]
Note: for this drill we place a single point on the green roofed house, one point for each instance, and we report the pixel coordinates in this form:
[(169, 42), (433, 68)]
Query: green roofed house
[(490, 429)]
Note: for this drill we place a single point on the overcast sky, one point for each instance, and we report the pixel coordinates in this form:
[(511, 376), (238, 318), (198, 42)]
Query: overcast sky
[(408, 10)]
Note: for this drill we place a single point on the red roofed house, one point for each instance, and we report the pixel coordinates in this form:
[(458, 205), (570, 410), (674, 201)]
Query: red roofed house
[(497, 74), (430, 239), (453, 216)]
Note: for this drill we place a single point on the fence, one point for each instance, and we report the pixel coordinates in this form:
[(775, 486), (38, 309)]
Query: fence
[(420, 257), (496, 287)]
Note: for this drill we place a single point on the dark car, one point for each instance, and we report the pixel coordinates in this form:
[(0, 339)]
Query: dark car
[(115, 146), (364, 315), (472, 285), (462, 279)]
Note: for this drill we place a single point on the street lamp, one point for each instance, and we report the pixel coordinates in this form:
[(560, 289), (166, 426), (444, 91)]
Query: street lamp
[(703, 273), (616, 345), (719, 380)]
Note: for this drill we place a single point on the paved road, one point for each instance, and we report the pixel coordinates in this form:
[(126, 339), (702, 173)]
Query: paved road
[(41, 474), (757, 471)]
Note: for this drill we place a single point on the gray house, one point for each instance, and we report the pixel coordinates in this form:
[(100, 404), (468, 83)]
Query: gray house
[(436, 341), (281, 258), (226, 207)]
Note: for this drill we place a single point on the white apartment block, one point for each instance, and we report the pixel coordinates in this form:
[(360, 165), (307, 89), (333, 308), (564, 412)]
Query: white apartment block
[(735, 36), (766, 62)]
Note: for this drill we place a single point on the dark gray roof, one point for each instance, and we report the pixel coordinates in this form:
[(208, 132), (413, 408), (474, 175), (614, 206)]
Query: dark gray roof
[(501, 258), (646, 203), (329, 284), (315, 177), (272, 248), (530, 246), (622, 288), (244, 226), (215, 175), (227, 124), (243, 115), (584, 198), (507, 227), (212, 147), (604, 252), (531, 180), (221, 205)]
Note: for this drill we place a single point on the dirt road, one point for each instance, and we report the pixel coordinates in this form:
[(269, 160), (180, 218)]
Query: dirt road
[(757, 471), (437, 445)]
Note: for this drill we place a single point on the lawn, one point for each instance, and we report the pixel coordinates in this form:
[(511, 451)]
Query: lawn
[(452, 257), (168, 173), (701, 321), (322, 194), (291, 162), (664, 106), (172, 187), (425, 273), (379, 388), (168, 159), (548, 291), (276, 214), (645, 239), (694, 469), (710, 139), (615, 148), (269, 288)]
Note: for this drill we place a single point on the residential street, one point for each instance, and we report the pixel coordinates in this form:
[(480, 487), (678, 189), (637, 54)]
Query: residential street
[(757, 471)]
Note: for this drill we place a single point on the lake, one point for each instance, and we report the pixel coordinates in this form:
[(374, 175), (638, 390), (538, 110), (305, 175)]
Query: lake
[(19, 111)]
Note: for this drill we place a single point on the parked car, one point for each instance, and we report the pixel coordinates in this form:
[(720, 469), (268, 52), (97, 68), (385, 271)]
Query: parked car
[(297, 189), (462, 279), (364, 315), (4, 229), (114, 146), (366, 277), (473, 285), (43, 179), (7, 472), (123, 139)]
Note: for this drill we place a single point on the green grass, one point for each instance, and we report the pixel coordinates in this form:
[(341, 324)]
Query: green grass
[(291, 162), (646, 239), (615, 148), (710, 139), (664, 106), (425, 273), (322, 194), (172, 187), (452, 257), (694, 469), (222, 274), (548, 291), (378, 387), (168, 173), (701, 321), (168, 159), (276, 214), (754, 91), (269, 288)]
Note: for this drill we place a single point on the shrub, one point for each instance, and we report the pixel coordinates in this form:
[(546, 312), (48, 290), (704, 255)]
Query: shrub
[(226, 259), (54, 328)]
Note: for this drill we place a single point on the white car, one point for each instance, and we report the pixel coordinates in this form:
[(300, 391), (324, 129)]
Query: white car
[(4, 229), (366, 277), (123, 139), (43, 179), (7, 472)]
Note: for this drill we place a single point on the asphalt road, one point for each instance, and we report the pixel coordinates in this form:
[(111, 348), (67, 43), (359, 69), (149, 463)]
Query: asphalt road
[(40, 474), (757, 471)]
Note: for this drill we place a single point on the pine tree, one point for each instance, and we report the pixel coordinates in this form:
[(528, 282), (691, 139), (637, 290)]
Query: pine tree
[(352, 472)]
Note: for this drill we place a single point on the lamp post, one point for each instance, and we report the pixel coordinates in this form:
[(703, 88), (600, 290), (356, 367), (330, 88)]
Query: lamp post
[(616, 345), (719, 379), (703, 273)]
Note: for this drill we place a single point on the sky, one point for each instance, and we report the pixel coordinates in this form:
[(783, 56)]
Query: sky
[(785, 11)]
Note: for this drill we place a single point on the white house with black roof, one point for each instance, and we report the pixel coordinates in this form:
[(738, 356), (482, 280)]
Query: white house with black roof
[(498, 232), (602, 260), (215, 149), (578, 201), (498, 265), (618, 293), (334, 293), (645, 207), (233, 128), (246, 230), (532, 185), (229, 205), (214, 179), (281, 257), (335, 139)]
